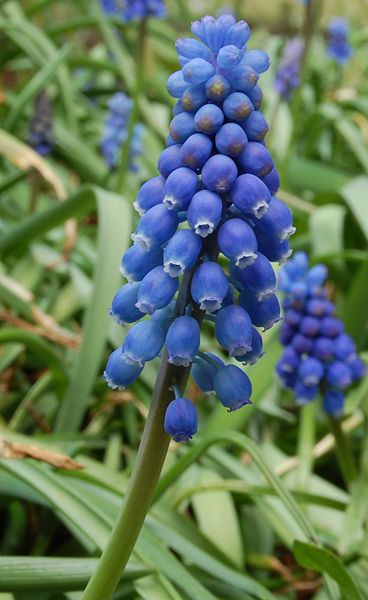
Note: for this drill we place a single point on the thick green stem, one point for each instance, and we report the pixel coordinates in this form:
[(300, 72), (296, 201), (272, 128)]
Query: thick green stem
[(343, 452), (306, 441)]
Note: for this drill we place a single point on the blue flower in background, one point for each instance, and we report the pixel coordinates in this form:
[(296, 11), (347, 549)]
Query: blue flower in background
[(319, 357), (217, 185), (129, 10), (338, 46), (40, 136), (116, 131), (288, 73)]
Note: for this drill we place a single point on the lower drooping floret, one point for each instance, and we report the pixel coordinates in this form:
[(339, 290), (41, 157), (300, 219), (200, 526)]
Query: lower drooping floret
[(319, 357), (215, 195), (288, 74)]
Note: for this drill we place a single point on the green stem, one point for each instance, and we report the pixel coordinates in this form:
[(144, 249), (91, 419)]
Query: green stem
[(343, 452), (133, 118), (306, 441)]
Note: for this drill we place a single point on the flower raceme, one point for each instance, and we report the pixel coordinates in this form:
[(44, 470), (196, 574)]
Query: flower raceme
[(338, 46), (288, 73), (128, 10), (40, 136), (210, 226), (116, 131), (319, 357)]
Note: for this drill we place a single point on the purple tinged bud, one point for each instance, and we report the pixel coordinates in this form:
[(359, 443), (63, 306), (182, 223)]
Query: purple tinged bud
[(137, 262), (191, 48), (302, 344), (156, 290), (219, 173), (272, 181), (118, 373), (176, 85), (333, 402), (258, 60), (305, 394), (357, 368), (229, 56), (214, 31), (182, 341), (244, 79), (277, 221), (256, 352), (217, 88), (196, 150), (179, 189), (339, 375), (194, 97), (255, 126), (331, 327), (143, 342), (208, 119), (150, 194), (256, 97), (259, 277), (169, 160), (238, 34), (209, 286), (233, 329), (123, 309), (263, 313), (316, 276), (250, 195), (181, 127), (310, 371), (197, 71), (204, 212), (203, 372), (323, 348), (233, 387), (309, 326), (231, 140), (238, 243), (237, 106), (181, 420), (256, 159), (156, 227), (181, 252)]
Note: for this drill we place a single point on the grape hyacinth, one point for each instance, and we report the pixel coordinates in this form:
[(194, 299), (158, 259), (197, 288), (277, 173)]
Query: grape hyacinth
[(319, 356), (116, 132), (214, 196), (40, 136), (128, 10), (288, 73), (338, 46)]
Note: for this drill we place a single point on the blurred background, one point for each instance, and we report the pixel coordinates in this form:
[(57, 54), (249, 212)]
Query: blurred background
[(72, 158)]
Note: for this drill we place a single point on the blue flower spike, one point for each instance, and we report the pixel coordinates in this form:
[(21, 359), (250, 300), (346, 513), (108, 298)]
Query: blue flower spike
[(209, 202), (319, 356)]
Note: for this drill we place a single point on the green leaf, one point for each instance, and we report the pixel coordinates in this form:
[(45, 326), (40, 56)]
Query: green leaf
[(356, 307), (113, 235), (22, 573), (324, 561), (355, 194), (327, 229)]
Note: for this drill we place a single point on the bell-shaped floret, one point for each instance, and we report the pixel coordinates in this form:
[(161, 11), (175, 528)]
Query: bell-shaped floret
[(118, 373), (203, 371), (180, 187), (250, 195), (123, 309), (209, 286), (137, 262), (219, 173), (156, 227), (233, 330), (237, 242), (181, 252), (258, 277), (181, 420), (156, 290), (204, 212), (233, 387), (150, 194), (182, 341), (143, 343)]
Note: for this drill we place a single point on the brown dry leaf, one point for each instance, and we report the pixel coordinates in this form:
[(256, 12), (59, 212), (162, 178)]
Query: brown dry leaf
[(56, 459)]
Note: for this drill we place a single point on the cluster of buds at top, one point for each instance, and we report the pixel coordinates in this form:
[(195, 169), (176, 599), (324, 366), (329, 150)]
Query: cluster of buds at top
[(210, 220), (319, 356), (288, 73), (128, 10), (116, 132), (339, 47), (40, 136)]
